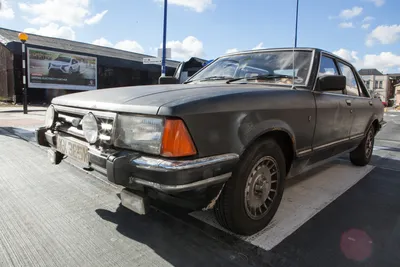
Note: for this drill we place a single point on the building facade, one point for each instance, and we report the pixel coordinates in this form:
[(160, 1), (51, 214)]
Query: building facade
[(377, 83), (397, 94), (107, 67)]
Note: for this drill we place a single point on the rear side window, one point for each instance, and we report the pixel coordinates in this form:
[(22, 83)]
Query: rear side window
[(327, 67), (351, 82)]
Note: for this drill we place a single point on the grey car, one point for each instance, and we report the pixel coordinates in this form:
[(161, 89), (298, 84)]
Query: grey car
[(225, 140)]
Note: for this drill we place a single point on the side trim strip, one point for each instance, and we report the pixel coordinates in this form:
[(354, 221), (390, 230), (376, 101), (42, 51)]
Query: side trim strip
[(185, 187), (304, 152), (331, 143), (356, 136)]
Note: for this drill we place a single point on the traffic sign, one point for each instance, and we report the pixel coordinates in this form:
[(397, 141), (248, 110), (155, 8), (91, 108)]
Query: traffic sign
[(151, 60), (167, 53)]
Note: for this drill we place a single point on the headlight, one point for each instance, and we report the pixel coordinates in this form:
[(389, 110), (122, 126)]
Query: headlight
[(50, 117), (90, 128), (139, 133)]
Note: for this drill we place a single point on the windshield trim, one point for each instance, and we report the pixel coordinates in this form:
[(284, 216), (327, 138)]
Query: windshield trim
[(306, 83)]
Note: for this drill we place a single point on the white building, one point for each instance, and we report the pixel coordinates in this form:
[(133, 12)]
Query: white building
[(377, 83)]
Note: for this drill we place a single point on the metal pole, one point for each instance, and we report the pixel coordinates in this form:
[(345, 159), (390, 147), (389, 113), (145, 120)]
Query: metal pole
[(163, 70), (297, 17), (24, 89)]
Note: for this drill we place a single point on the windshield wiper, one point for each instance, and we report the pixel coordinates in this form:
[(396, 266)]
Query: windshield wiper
[(260, 77), (212, 78)]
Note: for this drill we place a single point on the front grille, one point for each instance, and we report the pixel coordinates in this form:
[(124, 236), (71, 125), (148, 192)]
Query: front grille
[(69, 120)]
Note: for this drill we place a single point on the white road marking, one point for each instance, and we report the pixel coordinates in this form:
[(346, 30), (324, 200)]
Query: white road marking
[(302, 199)]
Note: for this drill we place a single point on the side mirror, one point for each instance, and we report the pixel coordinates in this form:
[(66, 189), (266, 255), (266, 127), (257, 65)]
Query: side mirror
[(331, 83), (168, 80)]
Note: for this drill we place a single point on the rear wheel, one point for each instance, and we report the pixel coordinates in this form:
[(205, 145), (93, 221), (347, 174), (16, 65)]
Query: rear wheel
[(252, 196), (362, 155)]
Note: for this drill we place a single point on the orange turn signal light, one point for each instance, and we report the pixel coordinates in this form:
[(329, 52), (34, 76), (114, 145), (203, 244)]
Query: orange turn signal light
[(176, 141)]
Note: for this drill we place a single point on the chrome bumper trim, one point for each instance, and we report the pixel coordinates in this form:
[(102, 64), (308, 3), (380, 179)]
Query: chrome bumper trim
[(185, 187), (164, 165)]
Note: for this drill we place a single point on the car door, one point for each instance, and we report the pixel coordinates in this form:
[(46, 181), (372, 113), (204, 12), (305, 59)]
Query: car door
[(361, 103), (334, 113)]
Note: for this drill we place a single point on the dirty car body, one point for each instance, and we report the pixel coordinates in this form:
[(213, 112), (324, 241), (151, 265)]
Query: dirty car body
[(227, 138)]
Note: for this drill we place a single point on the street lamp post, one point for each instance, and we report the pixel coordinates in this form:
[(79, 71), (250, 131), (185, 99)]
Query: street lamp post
[(163, 70), (297, 19), (24, 37)]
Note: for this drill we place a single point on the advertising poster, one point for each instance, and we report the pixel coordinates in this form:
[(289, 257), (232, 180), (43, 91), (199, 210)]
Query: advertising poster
[(59, 70)]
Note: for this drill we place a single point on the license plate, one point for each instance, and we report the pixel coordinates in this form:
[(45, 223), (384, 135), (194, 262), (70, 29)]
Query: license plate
[(73, 149)]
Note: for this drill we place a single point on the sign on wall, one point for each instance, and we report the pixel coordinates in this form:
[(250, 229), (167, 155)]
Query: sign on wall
[(59, 70)]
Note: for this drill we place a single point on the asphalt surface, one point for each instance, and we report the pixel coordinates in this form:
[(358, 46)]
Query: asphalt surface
[(63, 216)]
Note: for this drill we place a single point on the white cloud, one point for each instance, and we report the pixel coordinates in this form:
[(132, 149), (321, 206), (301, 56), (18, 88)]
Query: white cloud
[(102, 42), (129, 45), (189, 47), (384, 34), (350, 56), (6, 12), (96, 18), (351, 13), (68, 12), (384, 61), (346, 25), (259, 46), (368, 18), (365, 26), (231, 50), (378, 3), (53, 30), (196, 5)]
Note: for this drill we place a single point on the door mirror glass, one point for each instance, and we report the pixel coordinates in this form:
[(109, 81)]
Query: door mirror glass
[(331, 83)]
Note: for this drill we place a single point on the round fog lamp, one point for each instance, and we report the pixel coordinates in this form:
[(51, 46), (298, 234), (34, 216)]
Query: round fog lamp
[(50, 116), (90, 128)]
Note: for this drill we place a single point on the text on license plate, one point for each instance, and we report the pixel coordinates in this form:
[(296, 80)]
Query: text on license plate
[(73, 149)]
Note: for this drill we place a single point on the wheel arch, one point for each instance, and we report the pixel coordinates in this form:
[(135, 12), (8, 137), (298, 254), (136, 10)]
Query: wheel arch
[(283, 137)]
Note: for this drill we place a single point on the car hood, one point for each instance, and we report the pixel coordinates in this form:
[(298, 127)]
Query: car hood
[(148, 99)]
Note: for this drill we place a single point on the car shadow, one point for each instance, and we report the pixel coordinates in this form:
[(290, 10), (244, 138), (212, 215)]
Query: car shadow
[(18, 133), (177, 242)]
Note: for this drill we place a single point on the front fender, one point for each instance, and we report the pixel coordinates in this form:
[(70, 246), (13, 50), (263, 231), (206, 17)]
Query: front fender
[(251, 129)]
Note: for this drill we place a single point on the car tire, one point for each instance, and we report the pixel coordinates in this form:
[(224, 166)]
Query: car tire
[(233, 209), (362, 155)]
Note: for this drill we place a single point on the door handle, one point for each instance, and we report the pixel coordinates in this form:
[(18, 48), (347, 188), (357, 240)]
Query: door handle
[(370, 103), (348, 102)]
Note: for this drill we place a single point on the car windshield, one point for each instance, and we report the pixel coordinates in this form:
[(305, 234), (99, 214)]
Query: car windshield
[(267, 66), (63, 59)]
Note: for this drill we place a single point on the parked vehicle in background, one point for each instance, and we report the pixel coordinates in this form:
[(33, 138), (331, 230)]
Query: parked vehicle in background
[(64, 64), (227, 139), (188, 68)]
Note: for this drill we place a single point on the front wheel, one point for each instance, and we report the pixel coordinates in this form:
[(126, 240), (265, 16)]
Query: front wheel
[(362, 155), (252, 195)]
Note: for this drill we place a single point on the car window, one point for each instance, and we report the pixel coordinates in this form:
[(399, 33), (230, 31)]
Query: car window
[(351, 82), (327, 67)]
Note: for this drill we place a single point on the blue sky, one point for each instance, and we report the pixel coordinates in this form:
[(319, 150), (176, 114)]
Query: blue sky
[(366, 32)]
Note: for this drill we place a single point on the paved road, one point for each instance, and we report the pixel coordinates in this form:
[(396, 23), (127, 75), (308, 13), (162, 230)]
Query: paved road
[(62, 216)]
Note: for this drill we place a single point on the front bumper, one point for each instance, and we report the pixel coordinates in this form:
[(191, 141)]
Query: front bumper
[(134, 170)]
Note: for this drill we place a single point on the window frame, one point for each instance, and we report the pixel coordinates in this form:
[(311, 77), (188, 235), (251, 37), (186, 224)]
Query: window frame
[(324, 54), (355, 77)]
